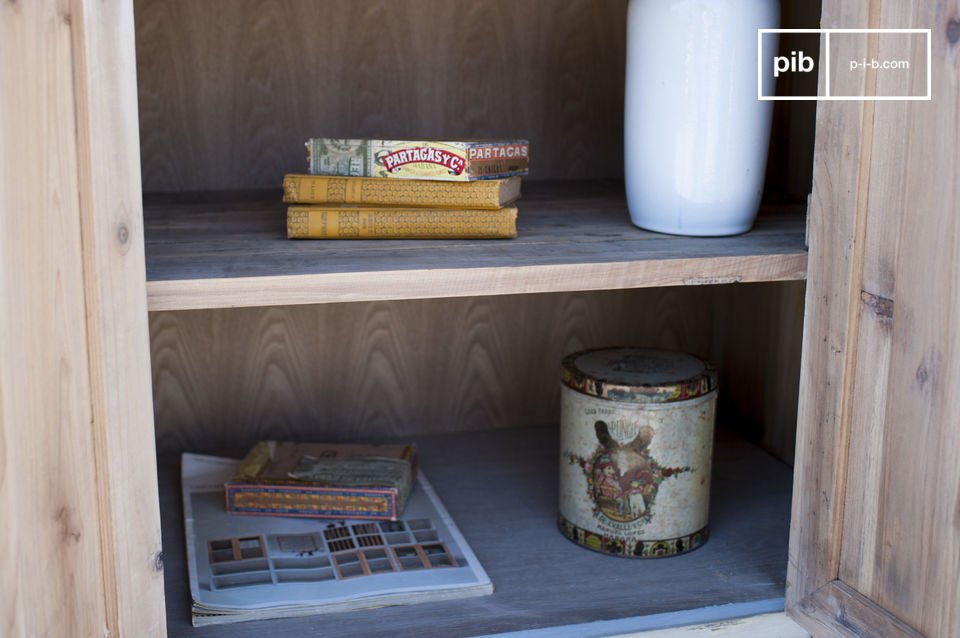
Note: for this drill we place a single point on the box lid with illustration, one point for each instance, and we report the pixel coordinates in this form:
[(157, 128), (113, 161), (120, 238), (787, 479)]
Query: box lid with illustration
[(323, 480)]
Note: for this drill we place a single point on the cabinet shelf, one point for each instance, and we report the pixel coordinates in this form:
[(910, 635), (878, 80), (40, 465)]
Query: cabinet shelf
[(501, 489), (219, 250)]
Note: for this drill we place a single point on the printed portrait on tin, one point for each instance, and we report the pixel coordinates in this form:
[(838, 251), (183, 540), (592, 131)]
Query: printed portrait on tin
[(623, 478)]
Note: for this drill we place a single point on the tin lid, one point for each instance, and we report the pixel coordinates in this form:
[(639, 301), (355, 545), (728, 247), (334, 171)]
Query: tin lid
[(638, 375)]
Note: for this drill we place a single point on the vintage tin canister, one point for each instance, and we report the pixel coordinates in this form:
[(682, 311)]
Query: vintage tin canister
[(636, 443)]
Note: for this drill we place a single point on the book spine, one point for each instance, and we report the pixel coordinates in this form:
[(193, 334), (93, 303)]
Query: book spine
[(287, 500), (315, 189), (307, 222)]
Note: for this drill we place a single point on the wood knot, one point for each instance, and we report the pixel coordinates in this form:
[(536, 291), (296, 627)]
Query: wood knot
[(68, 533), (922, 374), (123, 234), (953, 31), (880, 306), (158, 562)]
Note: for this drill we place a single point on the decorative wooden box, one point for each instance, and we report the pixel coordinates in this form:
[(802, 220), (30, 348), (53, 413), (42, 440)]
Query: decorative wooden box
[(323, 480)]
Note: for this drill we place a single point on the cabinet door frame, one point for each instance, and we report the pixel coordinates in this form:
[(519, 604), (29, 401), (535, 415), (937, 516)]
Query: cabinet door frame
[(848, 144), (118, 336), (78, 478)]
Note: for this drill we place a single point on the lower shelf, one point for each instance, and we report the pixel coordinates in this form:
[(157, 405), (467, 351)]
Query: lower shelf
[(501, 489)]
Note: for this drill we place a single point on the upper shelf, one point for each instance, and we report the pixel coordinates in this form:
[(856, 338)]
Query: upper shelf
[(223, 250)]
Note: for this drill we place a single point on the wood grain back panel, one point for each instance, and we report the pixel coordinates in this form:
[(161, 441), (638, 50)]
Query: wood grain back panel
[(230, 90), (227, 378)]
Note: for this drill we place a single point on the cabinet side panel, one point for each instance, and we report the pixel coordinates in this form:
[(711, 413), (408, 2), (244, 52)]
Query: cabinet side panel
[(756, 341), (910, 522), (50, 555), (834, 272), (118, 338)]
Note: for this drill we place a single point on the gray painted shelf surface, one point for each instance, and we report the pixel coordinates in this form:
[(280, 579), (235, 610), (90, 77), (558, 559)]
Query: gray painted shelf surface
[(500, 488), (230, 249)]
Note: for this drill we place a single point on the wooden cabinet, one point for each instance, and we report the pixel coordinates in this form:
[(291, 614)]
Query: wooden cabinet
[(233, 328)]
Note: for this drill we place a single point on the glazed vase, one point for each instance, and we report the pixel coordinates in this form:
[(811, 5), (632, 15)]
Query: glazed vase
[(695, 134)]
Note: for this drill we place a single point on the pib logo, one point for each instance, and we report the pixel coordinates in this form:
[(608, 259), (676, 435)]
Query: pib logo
[(796, 62)]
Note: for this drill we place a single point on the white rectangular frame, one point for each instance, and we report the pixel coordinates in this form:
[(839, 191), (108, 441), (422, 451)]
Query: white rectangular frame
[(826, 65)]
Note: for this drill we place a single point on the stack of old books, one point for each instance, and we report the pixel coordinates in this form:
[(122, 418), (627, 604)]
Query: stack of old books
[(392, 189)]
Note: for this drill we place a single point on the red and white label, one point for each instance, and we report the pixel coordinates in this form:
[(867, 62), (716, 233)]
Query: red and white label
[(451, 161)]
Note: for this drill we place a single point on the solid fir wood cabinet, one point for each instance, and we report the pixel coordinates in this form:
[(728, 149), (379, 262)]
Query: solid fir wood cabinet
[(116, 344)]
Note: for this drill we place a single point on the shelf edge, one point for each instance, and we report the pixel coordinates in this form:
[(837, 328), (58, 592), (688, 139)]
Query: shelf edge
[(285, 290)]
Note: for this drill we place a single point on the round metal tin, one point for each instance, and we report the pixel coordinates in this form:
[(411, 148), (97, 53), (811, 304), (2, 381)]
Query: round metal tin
[(636, 450)]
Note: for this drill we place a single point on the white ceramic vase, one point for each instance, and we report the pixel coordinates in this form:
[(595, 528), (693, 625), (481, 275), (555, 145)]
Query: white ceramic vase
[(695, 134)]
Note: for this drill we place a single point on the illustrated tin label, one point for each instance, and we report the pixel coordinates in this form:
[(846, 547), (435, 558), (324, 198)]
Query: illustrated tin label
[(635, 478)]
